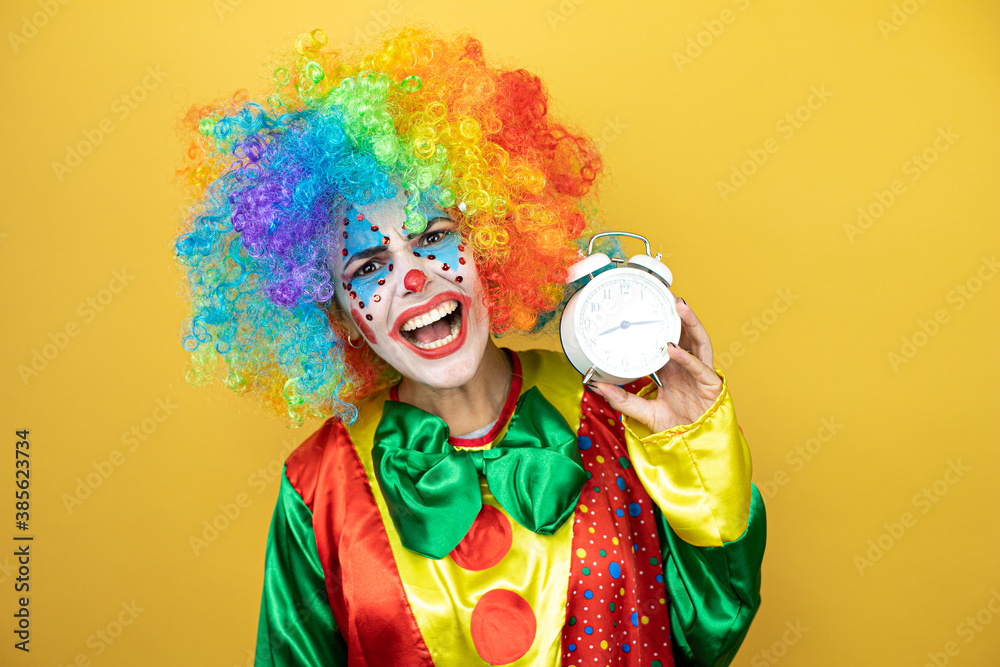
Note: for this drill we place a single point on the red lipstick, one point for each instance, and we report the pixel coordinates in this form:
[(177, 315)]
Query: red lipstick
[(426, 307)]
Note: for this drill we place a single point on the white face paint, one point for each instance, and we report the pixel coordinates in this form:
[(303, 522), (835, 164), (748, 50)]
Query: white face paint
[(416, 299)]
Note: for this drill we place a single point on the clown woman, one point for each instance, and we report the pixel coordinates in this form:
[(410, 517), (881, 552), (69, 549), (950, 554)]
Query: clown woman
[(355, 240)]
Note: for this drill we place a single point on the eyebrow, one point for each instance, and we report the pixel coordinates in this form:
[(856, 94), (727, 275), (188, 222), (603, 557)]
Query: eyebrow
[(430, 221), (379, 249), (365, 254)]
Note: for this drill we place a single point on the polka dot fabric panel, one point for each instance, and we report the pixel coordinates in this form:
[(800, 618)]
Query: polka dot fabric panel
[(617, 611)]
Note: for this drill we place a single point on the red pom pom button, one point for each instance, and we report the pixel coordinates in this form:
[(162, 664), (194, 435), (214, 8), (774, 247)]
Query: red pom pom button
[(487, 541), (503, 626)]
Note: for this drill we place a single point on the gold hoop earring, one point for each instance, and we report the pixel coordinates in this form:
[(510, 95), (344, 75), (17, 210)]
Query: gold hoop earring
[(361, 342)]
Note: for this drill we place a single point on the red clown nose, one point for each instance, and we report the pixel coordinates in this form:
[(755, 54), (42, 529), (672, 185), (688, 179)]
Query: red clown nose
[(414, 280)]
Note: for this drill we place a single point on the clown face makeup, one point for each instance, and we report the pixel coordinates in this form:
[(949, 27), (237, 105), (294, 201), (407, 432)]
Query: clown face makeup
[(417, 299)]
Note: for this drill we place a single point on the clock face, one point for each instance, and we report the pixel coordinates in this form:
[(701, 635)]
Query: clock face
[(624, 321)]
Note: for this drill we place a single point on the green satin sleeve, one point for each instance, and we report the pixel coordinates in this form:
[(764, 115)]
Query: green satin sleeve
[(296, 625), (714, 591)]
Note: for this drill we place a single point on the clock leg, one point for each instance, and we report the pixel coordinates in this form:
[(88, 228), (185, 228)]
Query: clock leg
[(656, 379), (589, 375)]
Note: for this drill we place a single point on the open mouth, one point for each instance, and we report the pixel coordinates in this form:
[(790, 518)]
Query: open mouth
[(435, 328)]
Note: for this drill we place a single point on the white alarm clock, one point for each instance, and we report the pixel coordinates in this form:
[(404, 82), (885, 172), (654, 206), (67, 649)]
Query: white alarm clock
[(617, 326)]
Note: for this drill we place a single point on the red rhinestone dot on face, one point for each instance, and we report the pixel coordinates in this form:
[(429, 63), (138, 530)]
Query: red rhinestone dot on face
[(345, 235), (461, 248), (368, 317), (385, 240), (416, 254), (461, 260), (390, 267), (346, 222), (381, 281), (376, 298), (360, 217), (353, 295), (344, 252), (374, 228), (430, 256), (445, 267), (458, 279), (361, 304)]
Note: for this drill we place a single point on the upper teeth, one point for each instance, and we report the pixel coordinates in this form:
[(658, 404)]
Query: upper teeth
[(434, 315)]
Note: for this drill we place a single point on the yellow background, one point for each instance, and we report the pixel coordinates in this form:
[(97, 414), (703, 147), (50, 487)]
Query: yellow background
[(672, 129)]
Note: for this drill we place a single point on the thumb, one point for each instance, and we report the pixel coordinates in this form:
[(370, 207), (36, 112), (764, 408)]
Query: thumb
[(624, 402)]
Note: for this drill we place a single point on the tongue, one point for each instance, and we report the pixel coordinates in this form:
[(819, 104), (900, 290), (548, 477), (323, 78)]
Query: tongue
[(433, 331)]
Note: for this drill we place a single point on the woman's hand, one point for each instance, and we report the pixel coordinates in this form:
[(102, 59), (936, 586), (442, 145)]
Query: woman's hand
[(690, 384)]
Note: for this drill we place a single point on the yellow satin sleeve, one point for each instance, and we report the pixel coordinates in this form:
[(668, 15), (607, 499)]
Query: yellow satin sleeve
[(698, 474)]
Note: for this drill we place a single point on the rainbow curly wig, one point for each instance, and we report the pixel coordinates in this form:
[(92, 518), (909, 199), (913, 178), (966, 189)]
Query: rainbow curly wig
[(266, 173)]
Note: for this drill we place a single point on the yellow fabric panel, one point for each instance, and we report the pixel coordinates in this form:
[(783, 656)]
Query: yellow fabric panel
[(698, 474), (441, 593), (558, 381)]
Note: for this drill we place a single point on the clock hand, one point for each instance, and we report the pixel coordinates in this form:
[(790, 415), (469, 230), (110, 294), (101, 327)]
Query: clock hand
[(627, 324)]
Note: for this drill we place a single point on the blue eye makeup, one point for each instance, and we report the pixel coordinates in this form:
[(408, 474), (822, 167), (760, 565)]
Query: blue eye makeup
[(441, 245), (363, 243), (370, 263)]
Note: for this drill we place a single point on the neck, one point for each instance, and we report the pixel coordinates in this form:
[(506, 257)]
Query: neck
[(471, 406)]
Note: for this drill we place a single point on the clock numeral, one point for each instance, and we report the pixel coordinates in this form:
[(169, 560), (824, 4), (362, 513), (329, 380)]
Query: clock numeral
[(595, 307), (607, 293)]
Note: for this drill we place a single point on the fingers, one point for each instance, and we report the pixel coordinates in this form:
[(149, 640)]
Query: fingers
[(703, 373), (675, 403), (624, 402), (694, 337)]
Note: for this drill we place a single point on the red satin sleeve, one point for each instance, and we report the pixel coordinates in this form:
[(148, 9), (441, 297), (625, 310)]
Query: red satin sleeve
[(354, 550)]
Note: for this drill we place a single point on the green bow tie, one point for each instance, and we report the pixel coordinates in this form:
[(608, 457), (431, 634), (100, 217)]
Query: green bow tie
[(432, 489)]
